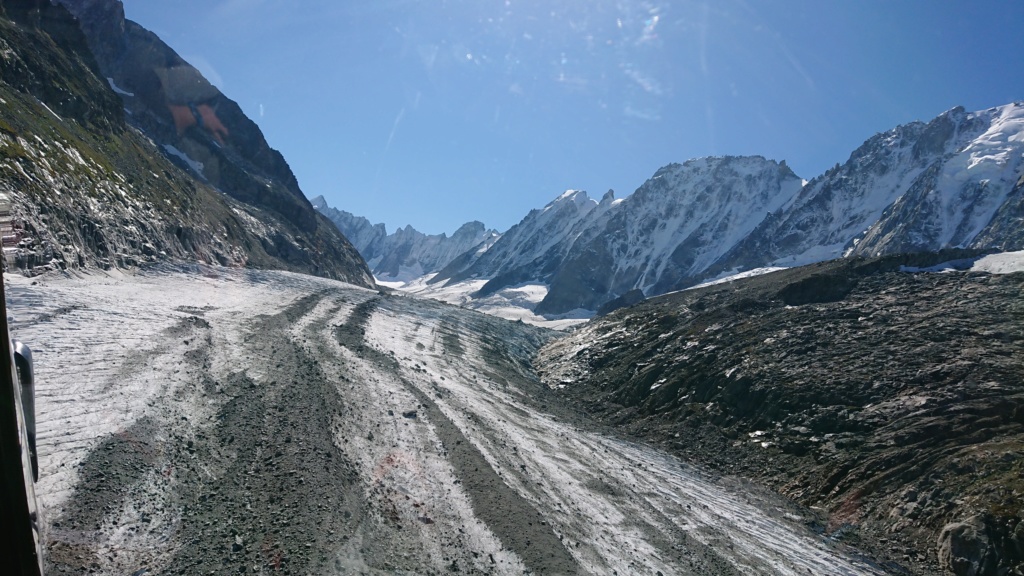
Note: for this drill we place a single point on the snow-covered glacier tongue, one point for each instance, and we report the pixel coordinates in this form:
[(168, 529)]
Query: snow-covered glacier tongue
[(207, 419)]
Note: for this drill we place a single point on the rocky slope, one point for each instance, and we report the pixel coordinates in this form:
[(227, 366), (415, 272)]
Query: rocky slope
[(162, 94), (89, 187), (892, 401), (406, 253)]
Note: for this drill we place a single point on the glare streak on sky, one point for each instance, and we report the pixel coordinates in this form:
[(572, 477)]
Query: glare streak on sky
[(704, 41), (504, 105), (391, 137)]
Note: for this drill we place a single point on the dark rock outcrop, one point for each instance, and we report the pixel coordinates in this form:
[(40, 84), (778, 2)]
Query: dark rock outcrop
[(630, 298), (49, 65), (965, 550)]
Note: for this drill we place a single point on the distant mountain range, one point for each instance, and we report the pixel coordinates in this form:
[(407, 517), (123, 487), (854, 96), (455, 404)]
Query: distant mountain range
[(405, 254), (954, 182)]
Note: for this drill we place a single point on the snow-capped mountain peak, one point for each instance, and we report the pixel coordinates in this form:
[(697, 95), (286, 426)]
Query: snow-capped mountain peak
[(958, 194), (680, 221), (538, 242), (406, 253), (949, 182), (955, 181)]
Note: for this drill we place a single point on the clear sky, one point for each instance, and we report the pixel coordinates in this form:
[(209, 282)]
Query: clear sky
[(437, 112)]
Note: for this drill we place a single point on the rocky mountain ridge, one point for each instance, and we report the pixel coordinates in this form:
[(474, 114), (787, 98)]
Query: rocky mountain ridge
[(154, 82), (531, 249), (954, 182), (406, 253), (672, 227), (91, 185)]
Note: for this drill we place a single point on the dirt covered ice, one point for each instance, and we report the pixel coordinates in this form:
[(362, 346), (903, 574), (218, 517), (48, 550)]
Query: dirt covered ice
[(210, 420)]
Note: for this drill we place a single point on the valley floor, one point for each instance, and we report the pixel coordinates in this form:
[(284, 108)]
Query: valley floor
[(210, 420)]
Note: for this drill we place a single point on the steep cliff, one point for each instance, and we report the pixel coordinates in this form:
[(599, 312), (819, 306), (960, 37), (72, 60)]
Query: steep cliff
[(89, 186)]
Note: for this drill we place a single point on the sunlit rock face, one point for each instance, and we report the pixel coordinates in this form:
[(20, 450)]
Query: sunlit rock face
[(100, 172)]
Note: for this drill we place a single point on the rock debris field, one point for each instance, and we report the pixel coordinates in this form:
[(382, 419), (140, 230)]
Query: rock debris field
[(214, 421)]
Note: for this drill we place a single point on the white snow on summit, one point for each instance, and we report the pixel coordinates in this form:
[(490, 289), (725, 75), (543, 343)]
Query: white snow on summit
[(965, 180), (952, 182), (991, 161)]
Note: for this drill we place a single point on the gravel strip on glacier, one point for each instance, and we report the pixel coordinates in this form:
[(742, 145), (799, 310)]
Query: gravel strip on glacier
[(205, 420)]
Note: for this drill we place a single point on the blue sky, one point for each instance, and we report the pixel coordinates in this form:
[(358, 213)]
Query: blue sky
[(437, 112)]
